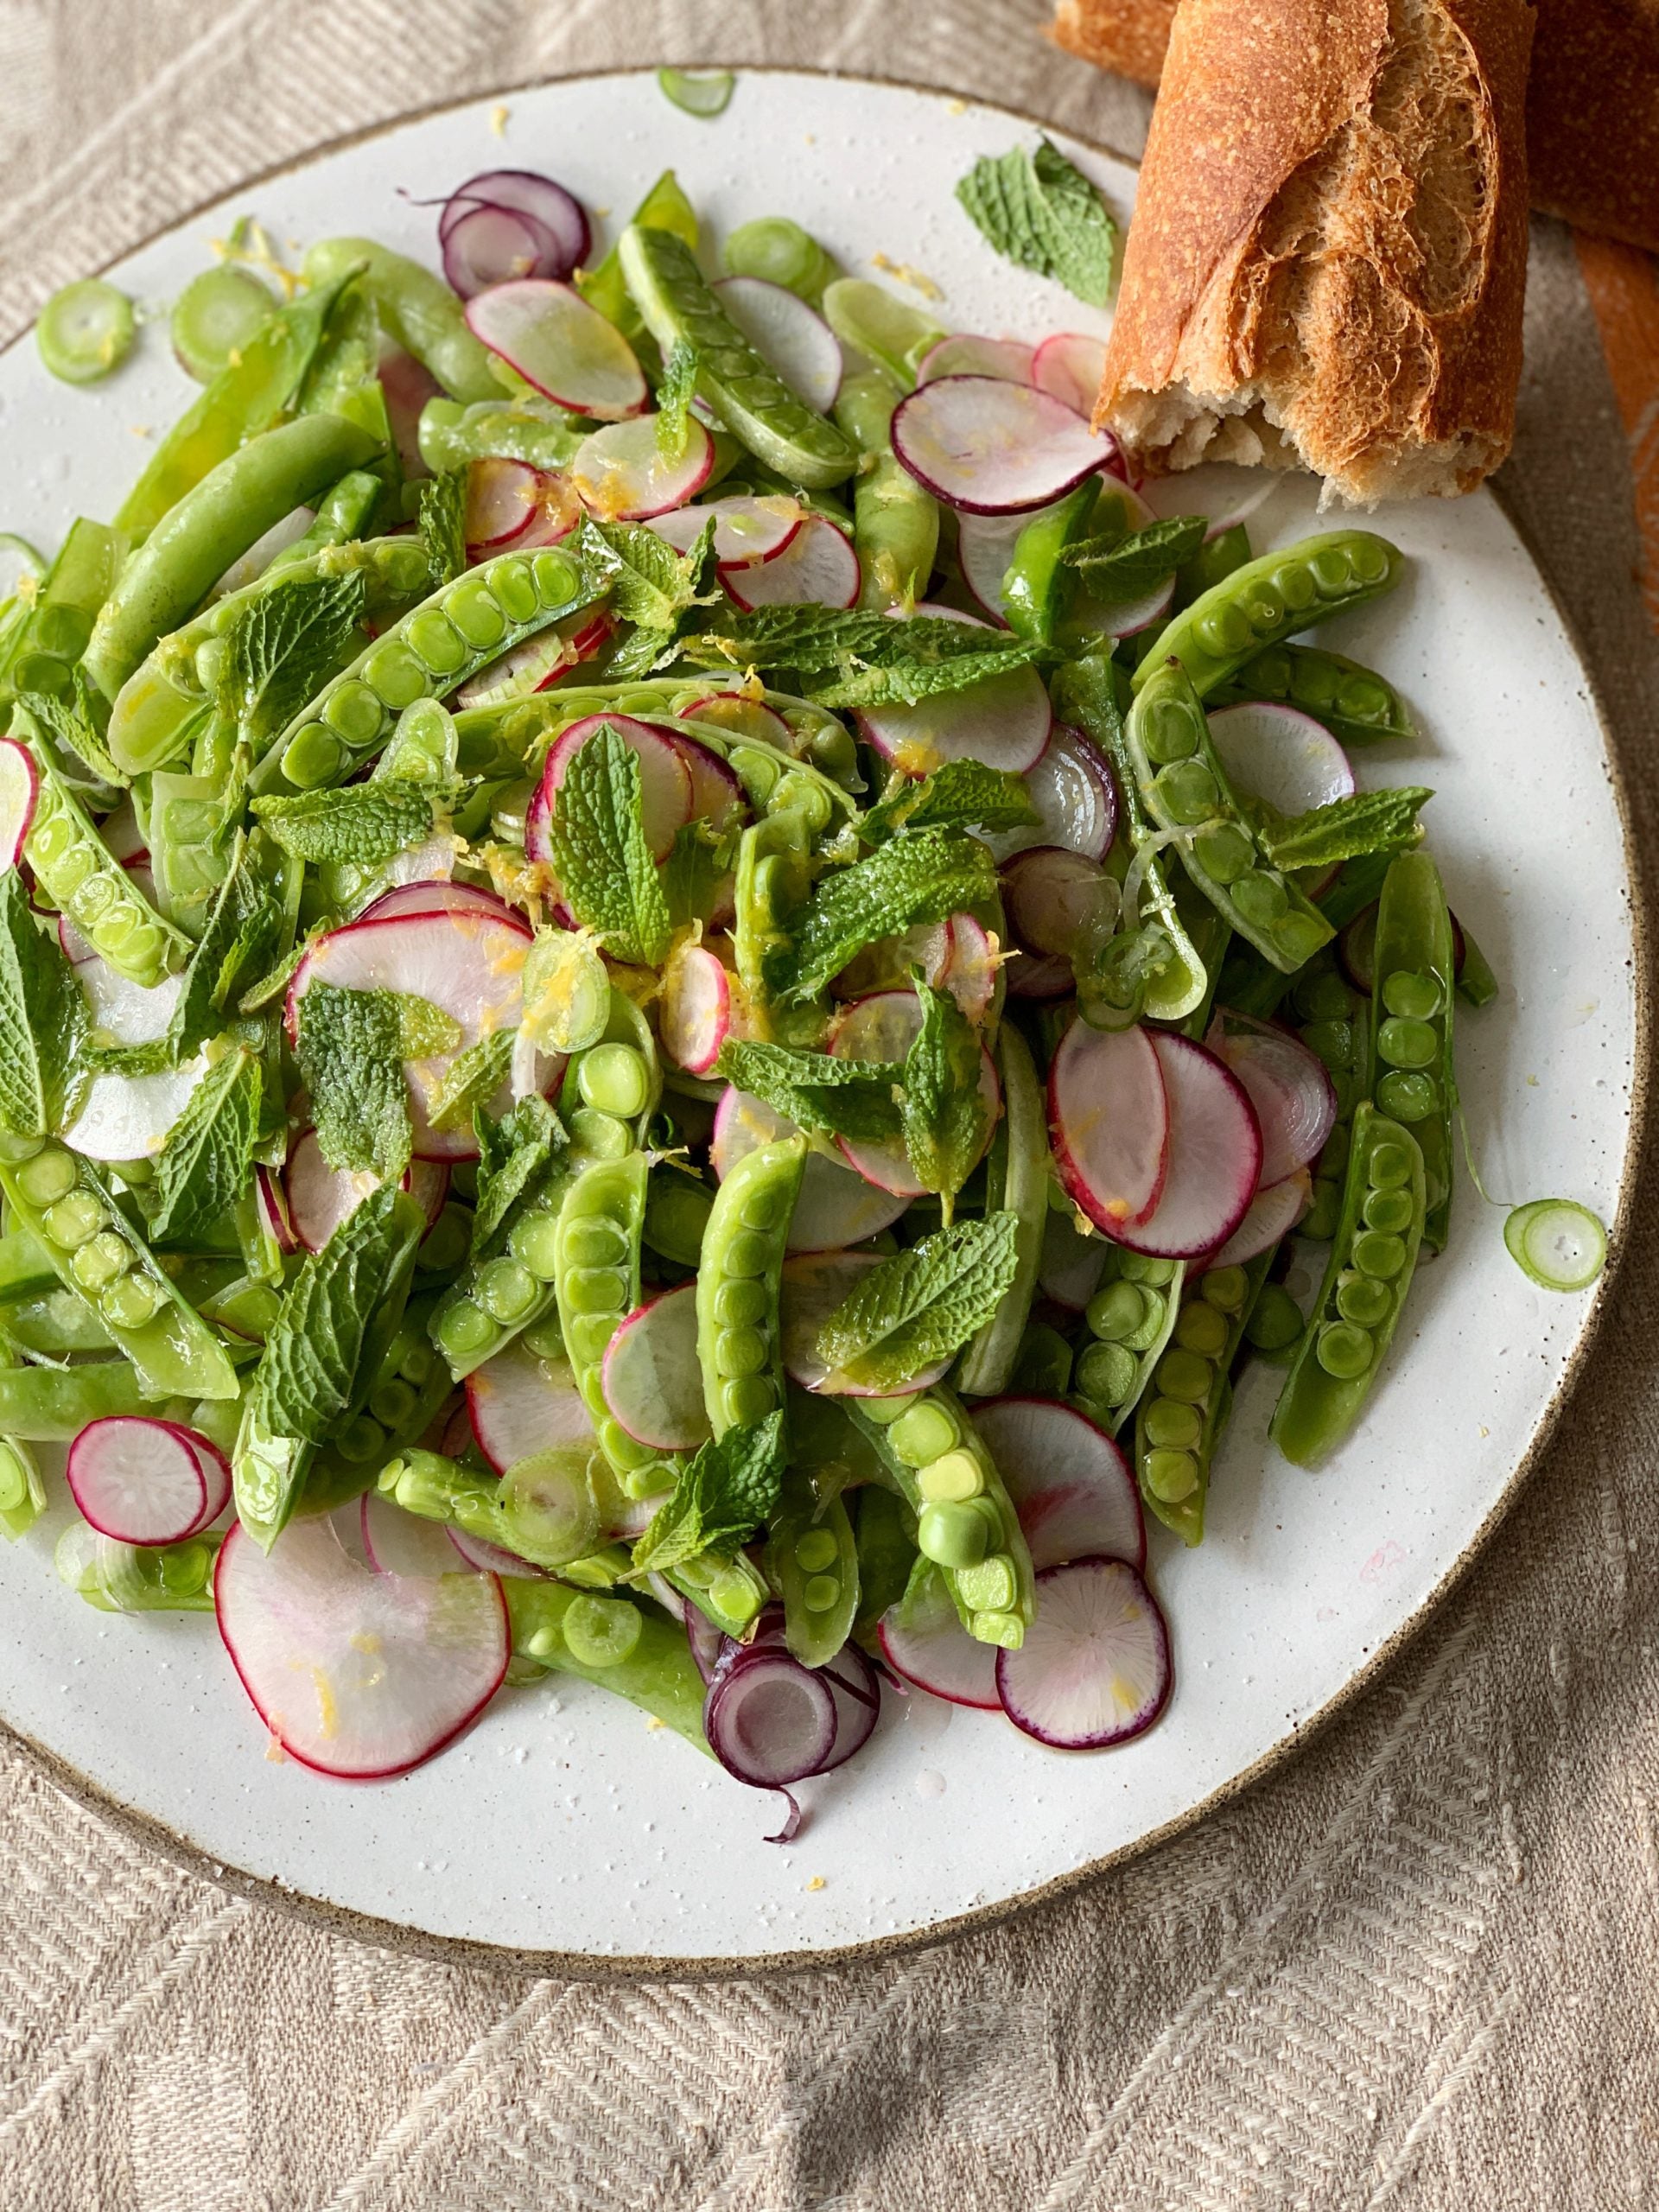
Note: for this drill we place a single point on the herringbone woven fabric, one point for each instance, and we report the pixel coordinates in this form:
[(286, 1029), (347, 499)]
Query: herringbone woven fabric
[(1416, 1968)]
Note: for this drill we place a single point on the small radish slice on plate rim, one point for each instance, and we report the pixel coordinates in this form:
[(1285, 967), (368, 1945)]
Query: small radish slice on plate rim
[(1070, 1483), (1095, 1667)]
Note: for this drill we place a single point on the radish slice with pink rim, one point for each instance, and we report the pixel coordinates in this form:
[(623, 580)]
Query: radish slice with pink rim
[(355, 1674), (836, 1207), (814, 1285), (962, 354), (396, 1542), (535, 665), (746, 528), (503, 499), (1274, 1212), (651, 1375), (882, 1027), (741, 717), (1070, 1485), (321, 1197), (1281, 755), (555, 211), (1002, 721), (270, 1201), (664, 782), (694, 1013), (990, 446), (1215, 1156), (547, 334), (438, 897), (20, 790), (1294, 1098), (970, 966), (490, 1559), (1070, 366), (489, 245), (716, 794), (788, 335), (817, 568), (622, 474), (1075, 798), (1220, 490), (1070, 1265), (1051, 894), (923, 1640), (1094, 1669), (146, 1482), (519, 1405), (1109, 1120)]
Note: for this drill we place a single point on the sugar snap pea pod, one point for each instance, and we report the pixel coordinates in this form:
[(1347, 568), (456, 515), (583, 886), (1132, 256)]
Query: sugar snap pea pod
[(57, 1323), (738, 1284), (41, 650), (1130, 1319), (1366, 1278), (213, 525), (119, 1577), (1269, 599), (885, 1531), (409, 1388), (1334, 1022), (416, 308), (888, 331), (1179, 1421), (64, 1202), (52, 1405), (965, 1521), (814, 1561), (453, 436), (773, 880), (665, 208), (753, 401), (1217, 557), (26, 1268), (1353, 702), (1017, 1179), (1184, 789), (1412, 1076), (1038, 584), (509, 1509), (342, 516), (645, 1658), (895, 522)]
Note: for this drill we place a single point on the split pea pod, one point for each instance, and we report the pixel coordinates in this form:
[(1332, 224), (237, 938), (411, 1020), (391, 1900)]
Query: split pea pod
[(118, 1577), (1186, 790), (1131, 1318), (1412, 1076), (814, 1559), (417, 309), (596, 1249), (42, 652), (1179, 1423), (773, 877), (642, 1657), (1017, 1181), (885, 329), (1353, 702), (895, 521), (740, 1281), (1334, 1021), (213, 525)]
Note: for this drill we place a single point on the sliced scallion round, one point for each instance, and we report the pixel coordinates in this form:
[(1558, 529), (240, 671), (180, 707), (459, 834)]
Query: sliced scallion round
[(86, 330), (215, 316), (703, 92), (1556, 1243)]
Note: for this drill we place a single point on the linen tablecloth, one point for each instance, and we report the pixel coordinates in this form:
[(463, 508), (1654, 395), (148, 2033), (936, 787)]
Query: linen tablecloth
[(1415, 1967)]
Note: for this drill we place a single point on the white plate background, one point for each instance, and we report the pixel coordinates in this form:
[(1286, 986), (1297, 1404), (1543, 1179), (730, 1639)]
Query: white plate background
[(563, 1822)]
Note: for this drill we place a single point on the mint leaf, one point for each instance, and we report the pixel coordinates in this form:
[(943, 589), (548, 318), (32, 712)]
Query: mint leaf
[(598, 843), (1349, 829), (1039, 211), (918, 878), (73, 730), (860, 660), (1137, 562), (365, 823), (511, 1153), (675, 393), (351, 1050), (205, 1164), (728, 1492), (43, 1018), (961, 795), (919, 1305), (945, 1114), (244, 929), (442, 524), (831, 1097), (284, 646), (471, 1080), (647, 581)]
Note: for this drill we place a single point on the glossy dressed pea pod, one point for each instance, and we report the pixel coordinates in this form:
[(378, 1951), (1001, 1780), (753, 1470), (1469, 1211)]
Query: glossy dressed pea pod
[(1269, 599), (1353, 702), (814, 1561), (1372, 1258), (58, 1322), (1018, 1180), (213, 525), (1412, 1076), (895, 521), (342, 517), (1334, 1021), (739, 1282), (416, 307), (653, 1669), (965, 1521), (42, 650), (1038, 584), (26, 1268), (1130, 1320), (1178, 1422), (64, 1202), (773, 879), (887, 330), (1184, 788), (453, 436), (52, 1405)]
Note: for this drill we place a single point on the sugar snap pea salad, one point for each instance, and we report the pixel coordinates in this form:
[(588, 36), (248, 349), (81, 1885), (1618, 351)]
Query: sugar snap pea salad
[(672, 979)]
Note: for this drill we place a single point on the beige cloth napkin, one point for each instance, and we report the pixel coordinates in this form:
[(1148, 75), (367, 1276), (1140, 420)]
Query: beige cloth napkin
[(1416, 1968)]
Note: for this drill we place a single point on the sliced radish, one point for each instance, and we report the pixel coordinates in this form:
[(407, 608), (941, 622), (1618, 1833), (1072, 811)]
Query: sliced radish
[(923, 1640), (746, 528), (434, 897), (990, 448), (652, 1380), (970, 966), (623, 474), (20, 787), (750, 719), (716, 794), (1072, 1486), (769, 1719), (1070, 1265), (557, 213), (788, 335), (1294, 1098), (427, 1182), (1215, 1156), (321, 1197), (504, 498), (396, 1542), (694, 1014), (882, 1027), (271, 1202), (836, 1207), (817, 568), (964, 355), (1070, 366), (1075, 798), (123, 833), (1109, 1121), (1094, 1669), (535, 665), (855, 1687), (357, 1674), (146, 1482), (1002, 721), (491, 1559), (124, 1116), (1052, 895), (664, 782), (1274, 1212), (1218, 489), (1282, 756), (487, 246), (518, 1405), (547, 334), (813, 1286)]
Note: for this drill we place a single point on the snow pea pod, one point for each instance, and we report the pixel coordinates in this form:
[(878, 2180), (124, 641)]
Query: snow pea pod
[(895, 522), (1179, 1423), (1185, 790), (1366, 1278), (342, 516), (213, 525), (657, 1672), (1411, 1077), (1353, 702), (416, 308), (1270, 599), (41, 650), (52, 1405), (1017, 1179), (887, 331), (453, 436), (739, 1282), (815, 1561), (1131, 1318), (1038, 584), (665, 208)]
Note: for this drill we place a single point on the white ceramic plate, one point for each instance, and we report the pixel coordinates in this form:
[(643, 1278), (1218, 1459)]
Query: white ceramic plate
[(563, 1824)]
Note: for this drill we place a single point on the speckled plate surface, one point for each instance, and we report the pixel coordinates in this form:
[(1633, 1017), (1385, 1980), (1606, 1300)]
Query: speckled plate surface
[(562, 1825)]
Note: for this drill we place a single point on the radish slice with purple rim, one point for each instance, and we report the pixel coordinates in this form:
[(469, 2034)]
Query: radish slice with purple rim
[(814, 1285), (664, 782), (271, 1202), (1075, 799), (396, 1542), (855, 1687), (962, 354), (1215, 1156), (1094, 1669), (623, 474), (923, 1640), (746, 528), (1051, 894), (1282, 756), (651, 1376), (489, 245), (355, 1674), (1070, 1265), (1070, 366), (321, 1197), (705, 1641), (437, 898), (992, 447), (818, 568), (788, 335), (1108, 1120), (20, 789), (836, 1207), (559, 214), (491, 1559), (770, 1720), (1294, 1098), (546, 333), (882, 1027), (1070, 1485), (716, 794), (518, 1405), (1002, 721), (694, 1013), (144, 1481), (1274, 1212), (1220, 490)]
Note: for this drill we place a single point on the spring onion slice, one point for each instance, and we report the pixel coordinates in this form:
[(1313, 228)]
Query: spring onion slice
[(216, 314), (704, 93), (18, 559), (85, 331), (1556, 1243)]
